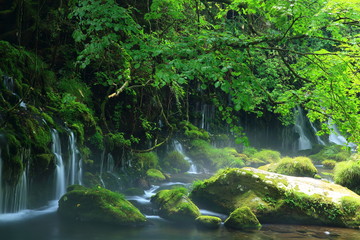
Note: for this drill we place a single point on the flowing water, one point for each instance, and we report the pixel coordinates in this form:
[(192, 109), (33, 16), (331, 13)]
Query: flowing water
[(44, 223), (178, 147)]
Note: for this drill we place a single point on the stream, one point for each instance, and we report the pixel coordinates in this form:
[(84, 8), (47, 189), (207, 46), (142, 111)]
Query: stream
[(44, 224)]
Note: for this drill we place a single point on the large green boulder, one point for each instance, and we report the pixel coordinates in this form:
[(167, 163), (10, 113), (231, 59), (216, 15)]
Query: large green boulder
[(276, 198), (175, 205), (98, 205), (242, 218)]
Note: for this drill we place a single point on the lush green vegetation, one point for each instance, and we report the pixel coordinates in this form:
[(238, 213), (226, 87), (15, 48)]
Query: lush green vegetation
[(129, 76)]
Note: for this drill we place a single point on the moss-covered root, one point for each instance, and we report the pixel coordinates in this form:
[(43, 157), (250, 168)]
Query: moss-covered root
[(208, 222), (98, 205), (176, 206), (242, 218)]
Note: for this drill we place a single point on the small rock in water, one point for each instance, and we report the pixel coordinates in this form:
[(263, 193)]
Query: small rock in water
[(327, 232)]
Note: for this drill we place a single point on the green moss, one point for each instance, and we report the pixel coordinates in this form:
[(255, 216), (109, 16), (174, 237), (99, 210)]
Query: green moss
[(250, 151), (192, 132), (348, 174), (175, 205), (273, 200), (155, 175), (331, 152), (98, 205), (242, 218), (266, 156), (299, 167), (204, 152), (329, 164), (48, 119), (208, 222), (174, 162), (97, 139), (145, 161)]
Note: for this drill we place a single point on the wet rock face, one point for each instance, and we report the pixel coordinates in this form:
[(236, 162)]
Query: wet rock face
[(176, 206), (98, 205), (276, 198)]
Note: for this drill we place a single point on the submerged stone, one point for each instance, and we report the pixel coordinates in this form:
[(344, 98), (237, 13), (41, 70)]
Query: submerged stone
[(98, 205), (175, 205), (276, 198), (208, 222), (242, 218)]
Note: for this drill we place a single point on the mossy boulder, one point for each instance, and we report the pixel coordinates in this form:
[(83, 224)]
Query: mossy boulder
[(276, 198), (98, 205), (144, 161), (242, 218), (155, 175), (208, 222), (175, 205), (174, 162), (348, 174), (298, 167)]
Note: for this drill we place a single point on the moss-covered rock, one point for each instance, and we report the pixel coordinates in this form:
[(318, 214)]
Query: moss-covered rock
[(175, 205), (174, 162), (193, 132), (155, 175), (276, 198), (98, 205), (215, 158), (348, 174), (242, 218), (208, 222), (144, 161), (299, 167)]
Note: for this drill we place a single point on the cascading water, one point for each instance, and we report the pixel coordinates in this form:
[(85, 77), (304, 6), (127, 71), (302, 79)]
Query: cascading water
[(303, 142), (107, 165), (319, 140), (60, 180), (74, 162), (336, 137), (179, 148), (9, 85), (14, 198), (207, 115)]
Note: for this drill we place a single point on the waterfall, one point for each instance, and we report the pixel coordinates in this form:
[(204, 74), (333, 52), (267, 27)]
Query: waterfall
[(107, 165), (60, 181), (67, 172), (74, 162), (14, 198), (317, 136), (207, 115), (303, 142), (9, 85), (336, 137), (179, 148)]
